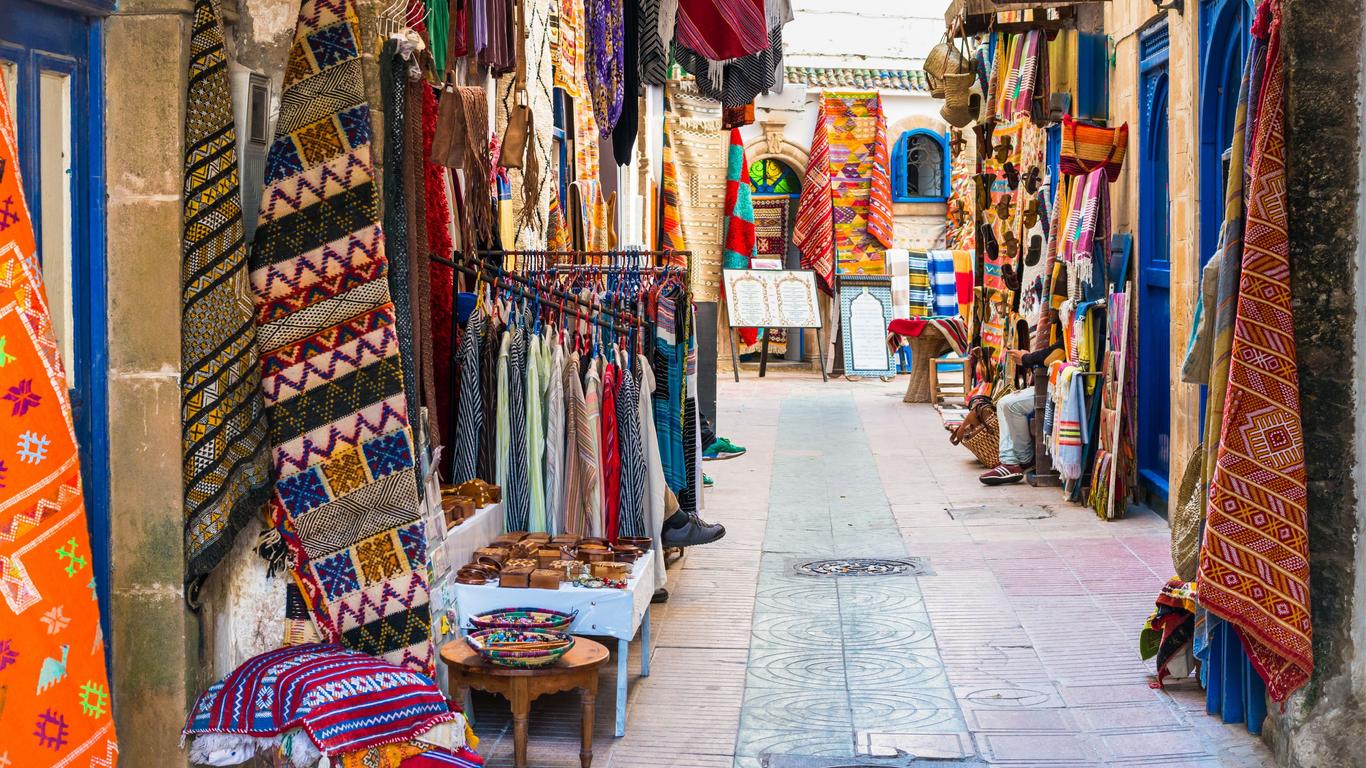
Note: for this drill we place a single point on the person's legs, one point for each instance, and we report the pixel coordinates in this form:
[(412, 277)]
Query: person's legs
[(1016, 444), (1012, 414)]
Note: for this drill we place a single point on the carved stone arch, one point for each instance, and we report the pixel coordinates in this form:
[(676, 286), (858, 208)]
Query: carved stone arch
[(772, 143)]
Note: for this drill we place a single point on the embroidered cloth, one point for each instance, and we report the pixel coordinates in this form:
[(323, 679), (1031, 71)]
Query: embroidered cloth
[(1254, 566), (226, 466), (345, 498), (859, 182), (51, 647), (722, 29)]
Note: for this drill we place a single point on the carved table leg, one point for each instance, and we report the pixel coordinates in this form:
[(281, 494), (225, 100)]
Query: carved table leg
[(586, 728), (521, 709)]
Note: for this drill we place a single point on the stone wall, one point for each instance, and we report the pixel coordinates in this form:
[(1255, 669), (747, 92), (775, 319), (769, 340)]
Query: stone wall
[(152, 635), (1322, 725)]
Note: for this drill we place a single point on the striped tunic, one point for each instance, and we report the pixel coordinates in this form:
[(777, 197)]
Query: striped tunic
[(469, 419), (631, 491)]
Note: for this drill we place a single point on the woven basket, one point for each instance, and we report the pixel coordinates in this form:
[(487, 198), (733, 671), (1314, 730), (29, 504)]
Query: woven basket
[(522, 649), (980, 433), (525, 618)]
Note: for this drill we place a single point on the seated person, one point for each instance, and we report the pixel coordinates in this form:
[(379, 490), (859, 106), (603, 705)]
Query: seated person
[(1012, 416)]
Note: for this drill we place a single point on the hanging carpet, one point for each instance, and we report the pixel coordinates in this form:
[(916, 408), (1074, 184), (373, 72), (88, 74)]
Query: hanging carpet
[(699, 146), (226, 466), (51, 647), (1254, 566), (345, 499)]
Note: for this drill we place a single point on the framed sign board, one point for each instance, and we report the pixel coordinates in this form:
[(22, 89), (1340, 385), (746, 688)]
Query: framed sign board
[(865, 313), (772, 298)]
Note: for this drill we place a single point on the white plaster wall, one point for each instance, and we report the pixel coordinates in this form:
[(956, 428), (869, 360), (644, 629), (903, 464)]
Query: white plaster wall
[(892, 34)]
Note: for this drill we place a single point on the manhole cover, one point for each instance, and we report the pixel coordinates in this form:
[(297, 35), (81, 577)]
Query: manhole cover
[(864, 566), (1001, 512)]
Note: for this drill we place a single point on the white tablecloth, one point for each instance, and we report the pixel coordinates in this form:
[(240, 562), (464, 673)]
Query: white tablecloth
[(602, 612), (472, 534)]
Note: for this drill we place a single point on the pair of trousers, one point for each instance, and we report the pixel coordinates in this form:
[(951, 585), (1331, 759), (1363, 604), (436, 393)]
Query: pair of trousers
[(1012, 413)]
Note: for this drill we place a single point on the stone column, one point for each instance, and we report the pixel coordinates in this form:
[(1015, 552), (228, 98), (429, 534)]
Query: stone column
[(151, 633)]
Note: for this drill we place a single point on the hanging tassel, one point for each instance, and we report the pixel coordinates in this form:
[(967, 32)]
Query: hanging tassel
[(529, 216), (716, 73), (270, 545)]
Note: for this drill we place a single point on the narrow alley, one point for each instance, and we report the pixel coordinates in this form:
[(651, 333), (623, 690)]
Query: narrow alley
[(1017, 645)]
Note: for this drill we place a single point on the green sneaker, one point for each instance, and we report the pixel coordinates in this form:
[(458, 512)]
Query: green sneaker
[(722, 449), (707, 482)]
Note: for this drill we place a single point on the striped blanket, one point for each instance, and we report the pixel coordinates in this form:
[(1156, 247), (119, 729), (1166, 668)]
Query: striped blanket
[(922, 296), (943, 282)]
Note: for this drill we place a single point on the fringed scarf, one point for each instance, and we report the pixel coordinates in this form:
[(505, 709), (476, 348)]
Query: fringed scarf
[(226, 467), (345, 501), (1254, 566), (671, 217), (880, 197), (813, 232)]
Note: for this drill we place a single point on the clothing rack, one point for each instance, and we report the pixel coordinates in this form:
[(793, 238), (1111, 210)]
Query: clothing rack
[(520, 286)]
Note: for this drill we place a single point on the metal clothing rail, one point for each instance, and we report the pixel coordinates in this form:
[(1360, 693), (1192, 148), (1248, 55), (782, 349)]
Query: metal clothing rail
[(582, 308)]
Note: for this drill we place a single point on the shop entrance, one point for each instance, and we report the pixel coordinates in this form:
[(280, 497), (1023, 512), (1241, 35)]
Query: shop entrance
[(1154, 272)]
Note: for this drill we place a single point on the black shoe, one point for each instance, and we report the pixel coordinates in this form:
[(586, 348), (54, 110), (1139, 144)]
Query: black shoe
[(661, 595), (693, 533)]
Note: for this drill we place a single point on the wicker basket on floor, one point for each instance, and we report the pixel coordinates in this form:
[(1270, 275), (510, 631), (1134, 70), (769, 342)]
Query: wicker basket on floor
[(980, 432)]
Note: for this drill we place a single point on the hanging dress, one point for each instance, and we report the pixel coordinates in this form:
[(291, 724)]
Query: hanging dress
[(575, 417), (517, 515), (655, 487), (535, 435), (631, 491), (469, 420), (611, 456), (590, 450), (555, 406)]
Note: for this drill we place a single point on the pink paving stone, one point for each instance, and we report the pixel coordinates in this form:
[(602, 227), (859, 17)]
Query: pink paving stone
[(1106, 694), (1152, 745), (985, 719), (1061, 748), (1156, 714)]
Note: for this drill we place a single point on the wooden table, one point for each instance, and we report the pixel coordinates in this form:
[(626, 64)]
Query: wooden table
[(576, 669)]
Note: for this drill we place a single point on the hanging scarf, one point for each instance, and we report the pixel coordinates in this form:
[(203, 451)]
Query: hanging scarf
[(1254, 567), (813, 232), (654, 58), (720, 29), (671, 217), (346, 495), (52, 650), (1072, 430), (569, 53), (605, 25), (226, 468)]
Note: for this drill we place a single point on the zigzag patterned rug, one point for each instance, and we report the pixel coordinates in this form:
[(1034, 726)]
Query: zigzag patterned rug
[(345, 499), (226, 469)]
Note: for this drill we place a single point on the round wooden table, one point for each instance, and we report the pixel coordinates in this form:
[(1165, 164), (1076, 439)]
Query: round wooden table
[(576, 669)]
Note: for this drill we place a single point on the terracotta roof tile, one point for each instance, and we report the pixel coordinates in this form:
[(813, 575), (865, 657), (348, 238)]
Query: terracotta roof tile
[(849, 77)]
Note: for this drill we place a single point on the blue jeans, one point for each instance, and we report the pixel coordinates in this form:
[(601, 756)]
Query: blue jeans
[(1012, 415)]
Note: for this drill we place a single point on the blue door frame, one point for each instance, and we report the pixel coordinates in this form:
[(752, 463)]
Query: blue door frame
[(1154, 267), (66, 36), (1224, 40)]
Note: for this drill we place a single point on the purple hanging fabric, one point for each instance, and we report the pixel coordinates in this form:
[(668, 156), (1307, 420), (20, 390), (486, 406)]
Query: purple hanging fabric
[(605, 22)]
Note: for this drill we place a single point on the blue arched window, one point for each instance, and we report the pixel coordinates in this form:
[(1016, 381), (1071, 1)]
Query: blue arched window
[(920, 167), (773, 177)]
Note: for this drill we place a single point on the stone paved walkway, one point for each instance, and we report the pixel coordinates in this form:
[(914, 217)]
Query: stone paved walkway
[(1018, 648)]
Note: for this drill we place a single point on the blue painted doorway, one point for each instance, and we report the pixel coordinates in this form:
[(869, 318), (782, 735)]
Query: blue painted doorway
[(51, 56), (1154, 269)]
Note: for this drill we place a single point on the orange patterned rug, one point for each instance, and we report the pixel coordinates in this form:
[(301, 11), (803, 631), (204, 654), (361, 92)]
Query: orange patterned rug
[(51, 647), (1254, 565)]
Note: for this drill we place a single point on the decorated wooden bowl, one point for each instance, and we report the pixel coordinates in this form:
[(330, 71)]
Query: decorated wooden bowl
[(525, 619), (520, 648)]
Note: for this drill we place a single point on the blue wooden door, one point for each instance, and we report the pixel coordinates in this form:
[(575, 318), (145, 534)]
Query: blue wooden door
[(1154, 269), (1224, 41), (50, 55)]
